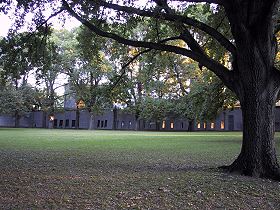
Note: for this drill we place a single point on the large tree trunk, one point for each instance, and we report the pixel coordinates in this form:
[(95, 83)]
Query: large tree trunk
[(256, 83), (258, 156)]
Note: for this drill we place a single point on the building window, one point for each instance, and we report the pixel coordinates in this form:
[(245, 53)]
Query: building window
[(102, 124), (222, 124), (55, 123), (171, 125), (198, 125), (122, 124), (163, 124), (150, 124), (60, 123), (98, 123), (182, 125), (105, 124), (67, 123), (73, 123), (129, 124), (212, 125), (204, 125)]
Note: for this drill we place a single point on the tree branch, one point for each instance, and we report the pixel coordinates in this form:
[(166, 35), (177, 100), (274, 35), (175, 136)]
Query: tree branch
[(219, 2), (50, 17), (221, 71), (175, 18), (192, 43)]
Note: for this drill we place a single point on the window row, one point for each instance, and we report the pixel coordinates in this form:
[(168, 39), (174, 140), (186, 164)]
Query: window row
[(60, 123), (212, 125), (102, 123)]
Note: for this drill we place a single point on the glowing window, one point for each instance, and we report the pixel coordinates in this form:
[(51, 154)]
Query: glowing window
[(212, 125), (204, 125), (171, 125), (222, 124), (198, 125), (163, 124)]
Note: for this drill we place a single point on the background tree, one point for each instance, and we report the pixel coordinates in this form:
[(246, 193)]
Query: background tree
[(17, 101)]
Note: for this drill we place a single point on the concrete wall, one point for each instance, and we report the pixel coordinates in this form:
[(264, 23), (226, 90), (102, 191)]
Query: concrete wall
[(7, 121), (125, 120), (104, 120), (229, 120)]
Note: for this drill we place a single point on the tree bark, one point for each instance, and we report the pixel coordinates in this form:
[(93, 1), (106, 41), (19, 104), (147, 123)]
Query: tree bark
[(256, 83), (258, 156)]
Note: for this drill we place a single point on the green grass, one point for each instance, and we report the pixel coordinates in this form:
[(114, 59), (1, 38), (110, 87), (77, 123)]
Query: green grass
[(82, 169)]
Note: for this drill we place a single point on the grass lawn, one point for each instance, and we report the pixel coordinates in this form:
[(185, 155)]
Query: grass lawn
[(81, 169)]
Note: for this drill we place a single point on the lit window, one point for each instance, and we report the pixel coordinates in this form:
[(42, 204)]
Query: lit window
[(198, 125), (172, 125), (212, 125), (222, 124), (163, 124), (204, 125)]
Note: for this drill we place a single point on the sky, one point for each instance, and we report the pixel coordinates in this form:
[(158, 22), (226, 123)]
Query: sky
[(5, 24)]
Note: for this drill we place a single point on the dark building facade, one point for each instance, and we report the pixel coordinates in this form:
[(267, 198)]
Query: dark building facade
[(118, 119)]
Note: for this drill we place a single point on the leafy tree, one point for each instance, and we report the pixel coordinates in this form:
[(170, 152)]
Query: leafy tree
[(17, 101), (155, 109), (251, 45)]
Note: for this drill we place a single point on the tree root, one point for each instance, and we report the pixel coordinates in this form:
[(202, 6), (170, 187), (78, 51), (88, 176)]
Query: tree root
[(272, 174)]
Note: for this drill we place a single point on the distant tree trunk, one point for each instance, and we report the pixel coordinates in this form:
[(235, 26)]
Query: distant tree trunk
[(115, 116), (91, 121), (17, 119), (191, 125), (157, 125), (77, 118), (137, 124)]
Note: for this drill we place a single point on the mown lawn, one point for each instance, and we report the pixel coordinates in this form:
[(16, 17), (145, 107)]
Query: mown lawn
[(81, 169)]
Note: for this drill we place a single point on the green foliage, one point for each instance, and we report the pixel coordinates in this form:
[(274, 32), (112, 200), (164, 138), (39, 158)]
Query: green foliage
[(155, 108), (20, 100), (206, 99)]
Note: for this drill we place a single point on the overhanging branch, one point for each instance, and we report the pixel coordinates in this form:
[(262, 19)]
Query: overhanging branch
[(219, 2), (175, 18)]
